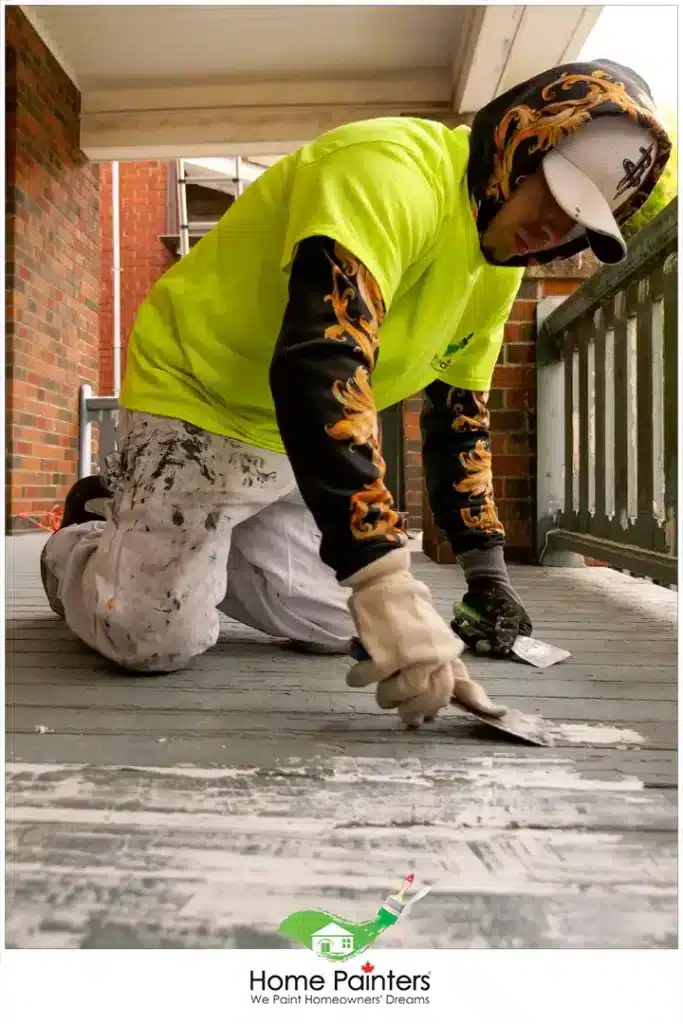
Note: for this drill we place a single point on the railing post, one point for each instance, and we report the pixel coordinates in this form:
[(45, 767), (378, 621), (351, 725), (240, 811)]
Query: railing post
[(84, 432), (550, 441)]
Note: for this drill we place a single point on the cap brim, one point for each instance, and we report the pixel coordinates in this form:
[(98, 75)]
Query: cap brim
[(583, 201)]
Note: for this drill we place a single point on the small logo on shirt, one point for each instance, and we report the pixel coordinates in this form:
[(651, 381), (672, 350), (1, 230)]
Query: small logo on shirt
[(635, 172), (442, 362)]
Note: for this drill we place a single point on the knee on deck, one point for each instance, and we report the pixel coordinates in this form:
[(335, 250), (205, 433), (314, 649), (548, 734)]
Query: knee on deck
[(157, 642)]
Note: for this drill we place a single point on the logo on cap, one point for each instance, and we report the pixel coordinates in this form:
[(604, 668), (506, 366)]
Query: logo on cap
[(635, 172)]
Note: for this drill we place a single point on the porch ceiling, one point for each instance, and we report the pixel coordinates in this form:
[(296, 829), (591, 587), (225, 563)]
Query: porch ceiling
[(218, 80)]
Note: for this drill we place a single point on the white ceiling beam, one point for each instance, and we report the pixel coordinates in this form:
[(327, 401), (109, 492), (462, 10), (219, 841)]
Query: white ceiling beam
[(144, 150), (481, 56), (420, 85), (183, 134), (506, 45), (227, 118), (547, 35)]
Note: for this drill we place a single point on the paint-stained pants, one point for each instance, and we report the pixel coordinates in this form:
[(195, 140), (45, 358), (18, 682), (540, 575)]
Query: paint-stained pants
[(198, 522)]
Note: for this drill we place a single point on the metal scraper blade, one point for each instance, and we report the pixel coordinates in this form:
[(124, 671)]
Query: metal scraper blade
[(531, 729)]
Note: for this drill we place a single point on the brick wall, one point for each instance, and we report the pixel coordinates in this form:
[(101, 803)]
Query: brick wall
[(513, 419), (143, 258), (412, 458), (52, 274)]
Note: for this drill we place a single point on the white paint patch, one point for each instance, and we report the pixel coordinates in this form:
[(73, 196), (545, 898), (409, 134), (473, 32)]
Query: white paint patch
[(597, 735), (551, 777), (189, 771), (498, 771), (203, 822), (23, 767), (382, 778)]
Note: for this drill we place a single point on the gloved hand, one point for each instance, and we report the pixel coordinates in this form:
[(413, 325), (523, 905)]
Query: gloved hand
[(412, 655), (500, 614)]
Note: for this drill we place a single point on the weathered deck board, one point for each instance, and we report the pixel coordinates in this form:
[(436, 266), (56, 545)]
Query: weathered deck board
[(199, 809)]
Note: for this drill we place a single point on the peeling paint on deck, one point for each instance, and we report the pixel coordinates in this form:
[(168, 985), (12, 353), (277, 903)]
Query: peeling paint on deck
[(604, 735), (204, 856), (275, 788)]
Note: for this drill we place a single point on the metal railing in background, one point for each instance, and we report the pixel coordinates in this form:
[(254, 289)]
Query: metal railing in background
[(100, 410), (607, 399)]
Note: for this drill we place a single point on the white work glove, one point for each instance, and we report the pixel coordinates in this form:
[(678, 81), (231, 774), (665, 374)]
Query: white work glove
[(413, 655)]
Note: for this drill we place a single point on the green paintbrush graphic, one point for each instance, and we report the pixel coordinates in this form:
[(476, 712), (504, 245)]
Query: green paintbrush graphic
[(338, 939)]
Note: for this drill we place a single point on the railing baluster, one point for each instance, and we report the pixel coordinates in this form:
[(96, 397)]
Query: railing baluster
[(644, 530), (621, 419), (568, 359), (600, 417), (84, 431), (107, 436), (671, 398), (584, 341), (657, 318)]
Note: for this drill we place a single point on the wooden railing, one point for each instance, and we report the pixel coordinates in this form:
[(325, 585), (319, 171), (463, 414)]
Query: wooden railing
[(607, 412)]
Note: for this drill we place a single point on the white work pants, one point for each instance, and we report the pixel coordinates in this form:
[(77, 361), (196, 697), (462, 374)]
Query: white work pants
[(198, 522)]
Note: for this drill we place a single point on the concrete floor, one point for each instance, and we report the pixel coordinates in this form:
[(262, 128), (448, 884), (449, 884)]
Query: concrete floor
[(199, 809)]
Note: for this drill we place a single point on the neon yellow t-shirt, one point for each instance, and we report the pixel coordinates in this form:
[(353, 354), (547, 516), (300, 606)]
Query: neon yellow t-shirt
[(393, 191)]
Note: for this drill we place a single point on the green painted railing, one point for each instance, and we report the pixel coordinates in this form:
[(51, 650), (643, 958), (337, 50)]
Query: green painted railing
[(608, 412)]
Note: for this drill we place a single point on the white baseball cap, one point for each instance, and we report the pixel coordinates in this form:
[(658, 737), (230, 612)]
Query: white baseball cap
[(594, 172)]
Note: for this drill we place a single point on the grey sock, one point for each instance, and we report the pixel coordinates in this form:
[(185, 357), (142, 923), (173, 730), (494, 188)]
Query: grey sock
[(487, 563)]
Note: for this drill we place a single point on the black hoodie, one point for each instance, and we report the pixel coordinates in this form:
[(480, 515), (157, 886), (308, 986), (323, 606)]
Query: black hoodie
[(511, 136)]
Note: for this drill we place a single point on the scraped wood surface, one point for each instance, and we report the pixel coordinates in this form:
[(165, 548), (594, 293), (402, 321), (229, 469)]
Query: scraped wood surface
[(200, 809)]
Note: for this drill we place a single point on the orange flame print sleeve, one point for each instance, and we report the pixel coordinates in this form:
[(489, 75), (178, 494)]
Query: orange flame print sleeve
[(321, 380), (456, 452)]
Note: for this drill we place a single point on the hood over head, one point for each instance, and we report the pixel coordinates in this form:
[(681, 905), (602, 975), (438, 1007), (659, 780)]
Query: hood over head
[(623, 152)]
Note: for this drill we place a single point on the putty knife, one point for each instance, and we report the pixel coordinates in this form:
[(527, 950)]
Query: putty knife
[(530, 728), (525, 648)]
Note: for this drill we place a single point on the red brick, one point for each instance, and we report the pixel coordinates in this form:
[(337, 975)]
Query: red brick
[(514, 511), (519, 354), (508, 420), (558, 286), (520, 442), (412, 445), (519, 534), (523, 311), (519, 332), (143, 258), (517, 399), (511, 465), (52, 266), (498, 444), (411, 428), (515, 377), (517, 487)]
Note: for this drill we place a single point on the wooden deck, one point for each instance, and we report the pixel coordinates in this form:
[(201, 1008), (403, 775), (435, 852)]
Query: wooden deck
[(199, 809)]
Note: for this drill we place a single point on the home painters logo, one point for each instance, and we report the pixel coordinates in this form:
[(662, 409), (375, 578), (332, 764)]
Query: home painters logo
[(367, 986), (337, 939)]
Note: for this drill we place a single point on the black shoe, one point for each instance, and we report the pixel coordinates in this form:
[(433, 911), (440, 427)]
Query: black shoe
[(86, 502), (83, 504)]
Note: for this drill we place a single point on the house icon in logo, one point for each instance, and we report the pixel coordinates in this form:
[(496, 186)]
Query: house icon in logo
[(337, 939), (332, 939)]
